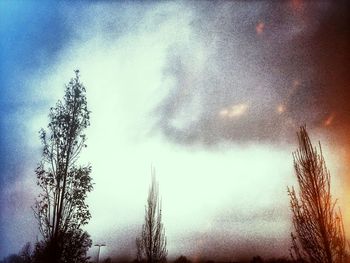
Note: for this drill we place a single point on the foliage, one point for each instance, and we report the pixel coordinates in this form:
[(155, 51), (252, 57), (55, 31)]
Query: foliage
[(182, 259), (26, 253), (151, 245), (257, 259), (24, 256), (60, 208), (74, 247), (319, 233), (13, 258), (107, 260)]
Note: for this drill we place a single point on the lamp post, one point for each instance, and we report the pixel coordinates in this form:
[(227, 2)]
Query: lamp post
[(98, 253)]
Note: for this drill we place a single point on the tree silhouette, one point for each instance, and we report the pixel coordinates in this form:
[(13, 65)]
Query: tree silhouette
[(26, 253), (319, 233), (60, 208), (257, 259), (151, 245), (182, 259)]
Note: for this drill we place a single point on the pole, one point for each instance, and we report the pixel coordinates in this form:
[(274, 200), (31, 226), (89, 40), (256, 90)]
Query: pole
[(98, 252)]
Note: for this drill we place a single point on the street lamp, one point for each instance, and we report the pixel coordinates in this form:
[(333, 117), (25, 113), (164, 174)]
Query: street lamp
[(98, 253)]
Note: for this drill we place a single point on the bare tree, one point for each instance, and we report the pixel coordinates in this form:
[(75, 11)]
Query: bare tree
[(182, 259), (319, 233), (60, 208), (151, 245)]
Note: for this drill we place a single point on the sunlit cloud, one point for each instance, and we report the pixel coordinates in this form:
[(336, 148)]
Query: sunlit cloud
[(281, 108), (234, 111), (297, 5), (329, 120), (260, 28)]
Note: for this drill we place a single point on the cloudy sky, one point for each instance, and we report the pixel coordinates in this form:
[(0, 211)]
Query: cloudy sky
[(210, 93)]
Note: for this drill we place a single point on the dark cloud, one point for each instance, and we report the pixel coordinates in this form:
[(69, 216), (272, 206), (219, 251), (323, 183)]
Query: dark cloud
[(239, 234), (267, 69), (238, 247)]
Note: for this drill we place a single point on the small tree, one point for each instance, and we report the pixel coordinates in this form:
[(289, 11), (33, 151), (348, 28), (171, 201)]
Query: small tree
[(60, 208), (257, 259), (319, 233), (151, 245), (26, 253), (182, 259)]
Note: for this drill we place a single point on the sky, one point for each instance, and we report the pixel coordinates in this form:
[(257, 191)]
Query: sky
[(210, 93)]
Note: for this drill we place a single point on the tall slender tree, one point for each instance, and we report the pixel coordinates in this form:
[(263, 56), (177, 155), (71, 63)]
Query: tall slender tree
[(60, 208), (151, 245), (319, 233)]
